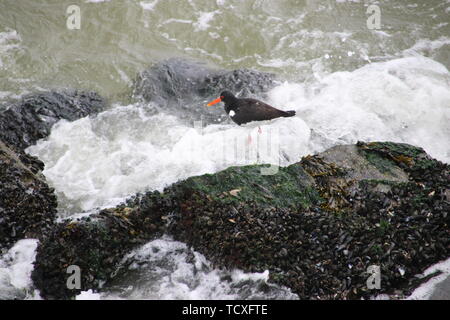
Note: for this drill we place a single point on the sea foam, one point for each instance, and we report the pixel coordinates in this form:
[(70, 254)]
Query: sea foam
[(98, 161)]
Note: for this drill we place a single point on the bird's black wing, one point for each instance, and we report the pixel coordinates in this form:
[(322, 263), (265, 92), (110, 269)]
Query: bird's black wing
[(255, 110)]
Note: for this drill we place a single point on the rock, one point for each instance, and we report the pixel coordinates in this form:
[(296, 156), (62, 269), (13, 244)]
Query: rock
[(361, 168), (95, 244), (183, 87), (316, 225), (442, 291), (30, 119), (27, 203)]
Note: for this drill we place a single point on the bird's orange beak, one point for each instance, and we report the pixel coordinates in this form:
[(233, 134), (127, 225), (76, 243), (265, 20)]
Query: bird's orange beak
[(214, 102)]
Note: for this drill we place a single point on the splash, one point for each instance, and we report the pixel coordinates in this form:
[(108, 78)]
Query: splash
[(98, 161), (168, 269)]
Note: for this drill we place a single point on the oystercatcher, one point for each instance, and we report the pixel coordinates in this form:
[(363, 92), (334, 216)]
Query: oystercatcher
[(243, 110)]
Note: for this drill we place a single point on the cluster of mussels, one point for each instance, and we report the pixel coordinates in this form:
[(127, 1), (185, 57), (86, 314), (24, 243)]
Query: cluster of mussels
[(323, 250)]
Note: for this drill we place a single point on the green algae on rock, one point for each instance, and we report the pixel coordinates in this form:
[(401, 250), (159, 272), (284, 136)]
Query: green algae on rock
[(290, 187)]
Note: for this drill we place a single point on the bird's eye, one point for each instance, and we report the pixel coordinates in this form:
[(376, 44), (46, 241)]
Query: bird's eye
[(221, 97)]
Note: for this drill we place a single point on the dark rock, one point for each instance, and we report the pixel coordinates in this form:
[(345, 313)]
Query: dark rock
[(316, 225), (95, 244), (27, 203), (30, 119), (183, 87)]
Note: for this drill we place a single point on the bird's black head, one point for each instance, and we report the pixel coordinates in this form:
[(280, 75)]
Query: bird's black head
[(227, 96)]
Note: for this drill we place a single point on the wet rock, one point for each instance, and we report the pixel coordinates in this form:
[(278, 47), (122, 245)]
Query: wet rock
[(96, 244), (183, 87), (358, 214), (27, 203), (30, 119), (316, 225), (358, 166)]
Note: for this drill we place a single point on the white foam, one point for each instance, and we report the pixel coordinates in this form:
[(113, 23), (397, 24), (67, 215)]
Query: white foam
[(404, 100), (172, 20), (10, 41), (15, 271), (204, 18), (88, 295), (426, 290), (424, 46), (98, 161), (149, 6), (168, 269), (95, 162)]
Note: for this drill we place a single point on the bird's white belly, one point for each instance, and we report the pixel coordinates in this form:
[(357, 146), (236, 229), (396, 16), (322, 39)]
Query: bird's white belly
[(231, 113)]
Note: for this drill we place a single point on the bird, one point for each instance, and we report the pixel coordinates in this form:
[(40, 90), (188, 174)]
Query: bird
[(244, 110)]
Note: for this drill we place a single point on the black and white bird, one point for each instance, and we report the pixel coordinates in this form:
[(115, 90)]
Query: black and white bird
[(243, 110)]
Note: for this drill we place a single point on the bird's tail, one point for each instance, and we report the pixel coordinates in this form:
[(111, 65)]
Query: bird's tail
[(290, 113)]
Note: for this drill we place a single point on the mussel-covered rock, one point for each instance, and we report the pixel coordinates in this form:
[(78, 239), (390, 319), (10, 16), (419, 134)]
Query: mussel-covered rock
[(318, 225), (379, 204), (24, 122), (27, 203), (95, 245)]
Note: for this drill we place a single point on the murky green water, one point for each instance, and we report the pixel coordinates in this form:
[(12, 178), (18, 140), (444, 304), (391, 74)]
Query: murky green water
[(296, 38)]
